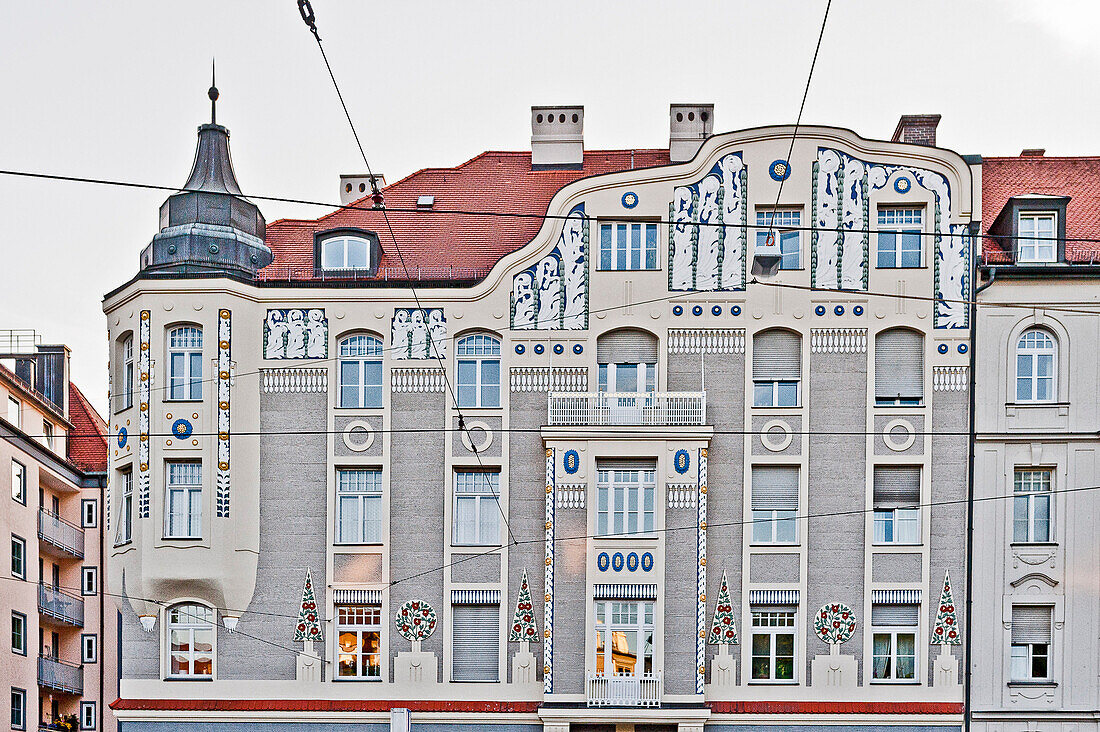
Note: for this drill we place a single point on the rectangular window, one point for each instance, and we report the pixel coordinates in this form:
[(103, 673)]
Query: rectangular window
[(897, 504), (894, 642), (899, 237), (625, 496), (359, 642), (87, 715), (1031, 640), (899, 368), (18, 557), (475, 643), (18, 708), (1031, 506), (359, 506), (18, 482), (478, 368), (629, 378), (773, 644), (624, 638), (477, 508), (790, 240), (1037, 241), (628, 245), (776, 368), (18, 633), (89, 513), (185, 363), (15, 412), (126, 508), (89, 648), (127, 387), (89, 580), (183, 509), (47, 433), (774, 505)]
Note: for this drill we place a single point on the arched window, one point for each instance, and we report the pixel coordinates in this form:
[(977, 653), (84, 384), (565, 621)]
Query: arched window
[(185, 363), (345, 252), (776, 368), (627, 360), (361, 371), (899, 367), (1036, 359), (478, 371), (190, 630)]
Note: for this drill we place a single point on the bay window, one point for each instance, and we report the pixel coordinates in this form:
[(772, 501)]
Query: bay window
[(185, 363)]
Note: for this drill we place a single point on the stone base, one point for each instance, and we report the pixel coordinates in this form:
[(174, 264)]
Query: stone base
[(308, 668), (524, 665), (418, 668), (945, 670), (723, 674), (833, 674)]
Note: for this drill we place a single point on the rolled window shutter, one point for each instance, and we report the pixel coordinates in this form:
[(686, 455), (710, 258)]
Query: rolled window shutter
[(776, 356), (626, 346), (885, 615), (624, 464), (476, 647), (1031, 623), (775, 489), (899, 365), (897, 486)]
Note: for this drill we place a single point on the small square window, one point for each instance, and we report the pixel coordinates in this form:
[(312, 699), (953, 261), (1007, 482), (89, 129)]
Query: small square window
[(89, 648), (18, 633), (89, 580), (87, 715), (89, 513), (18, 557)]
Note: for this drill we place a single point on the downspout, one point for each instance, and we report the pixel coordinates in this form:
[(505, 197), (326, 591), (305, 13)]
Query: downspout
[(967, 648), (100, 645)]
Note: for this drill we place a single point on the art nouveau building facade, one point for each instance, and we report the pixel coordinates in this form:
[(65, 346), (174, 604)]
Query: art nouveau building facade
[(580, 472)]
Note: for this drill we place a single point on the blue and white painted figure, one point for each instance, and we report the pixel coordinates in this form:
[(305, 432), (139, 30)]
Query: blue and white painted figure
[(549, 281), (523, 300), (572, 252), (733, 209), (683, 247), (707, 261), (437, 333), (418, 334), (292, 333), (827, 247), (553, 294), (316, 334), (703, 254), (275, 332)]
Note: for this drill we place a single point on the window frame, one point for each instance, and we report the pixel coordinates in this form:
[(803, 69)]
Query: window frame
[(342, 625), (1033, 240), (89, 581), (87, 714), (127, 375), (484, 493), (901, 231), (16, 405), (89, 648), (1033, 353), (622, 248), (189, 381), (889, 518), (1029, 498), (645, 375), (19, 541), (345, 239), (188, 490), (604, 612), (771, 632), (21, 694), (22, 497), (789, 229), (1028, 656), (608, 510), (368, 358), (491, 662), (477, 342), (191, 628), (89, 513), (893, 631), (125, 507), (21, 648), (774, 522), (367, 496)]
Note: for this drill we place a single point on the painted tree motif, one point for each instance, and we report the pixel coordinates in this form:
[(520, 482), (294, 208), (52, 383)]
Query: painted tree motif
[(523, 622), (946, 630), (835, 623), (309, 626), (415, 620), (723, 630)]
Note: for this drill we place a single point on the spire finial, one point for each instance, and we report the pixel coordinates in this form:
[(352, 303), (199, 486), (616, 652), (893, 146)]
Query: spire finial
[(213, 94)]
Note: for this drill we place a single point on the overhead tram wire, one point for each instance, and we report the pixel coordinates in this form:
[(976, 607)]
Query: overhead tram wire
[(310, 20)]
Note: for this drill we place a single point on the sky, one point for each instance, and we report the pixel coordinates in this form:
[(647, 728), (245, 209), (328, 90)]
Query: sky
[(116, 90)]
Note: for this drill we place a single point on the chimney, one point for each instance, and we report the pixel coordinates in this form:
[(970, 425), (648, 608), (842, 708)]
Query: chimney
[(917, 129), (354, 187), (1033, 152), (557, 137), (688, 126)]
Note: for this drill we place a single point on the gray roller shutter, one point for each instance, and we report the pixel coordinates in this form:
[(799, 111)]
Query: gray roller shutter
[(890, 615), (776, 356), (623, 464), (897, 486), (775, 489), (1031, 623), (476, 647), (626, 346), (899, 365)]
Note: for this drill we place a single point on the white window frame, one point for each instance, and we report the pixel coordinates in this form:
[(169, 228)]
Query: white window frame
[(625, 501), (893, 631), (22, 544), (478, 350), (185, 363), (191, 495), (89, 581), (623, 255), (47, 434), (345, 243), (480, 491), (902, 222), (786, 227), (359, 492), (365, 351), (125, 532), (87, 714), (362, 621), (1030, 243), (645, 377), (18, 487), (89, 648), (190, 625), (1022, 657), (898, 520), (89, 513), (15, 412), (127, 385), (761, 620), (18, 710), (1027, 347), (617, 616), (491, 667), (18, 618), (1029, 487), (773, 520)]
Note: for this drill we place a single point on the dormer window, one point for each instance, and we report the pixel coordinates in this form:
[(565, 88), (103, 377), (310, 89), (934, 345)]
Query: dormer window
[(345, 252), (1038, 237)]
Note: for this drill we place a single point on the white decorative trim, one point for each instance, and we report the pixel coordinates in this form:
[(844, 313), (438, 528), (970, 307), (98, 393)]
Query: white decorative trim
[(624, 592), (225, 371), (294, 381), (418, 380), (356, 597), (892, 442), (773, 597), (895, 597), (475, 597), (548, 581), (950, 378), (485, 442), (701, 578), (349, 432), (571, 496), (548, 378), (766, 438), (706, 340), (838, 340), (145, 376), (682, 495)]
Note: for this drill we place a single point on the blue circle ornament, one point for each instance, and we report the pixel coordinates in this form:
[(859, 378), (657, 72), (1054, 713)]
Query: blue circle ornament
[(697, 310), (677, 310), (839, 310), (540, 349), (559, 348), (632, 561), (943, 348), (630, 199), (779, 170), (819, 310), (858, 310), (735, 309), (902, 185), (520, 348), (122, 435), (572, 461), (716, 310), (963, 348), (617, 561), (603, 561), (578, 348), (682, 461), (181, 429), (647, 562)]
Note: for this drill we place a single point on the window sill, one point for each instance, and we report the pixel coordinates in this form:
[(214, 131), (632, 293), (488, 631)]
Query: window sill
[(189, 678), (795, 409), (775, 544), (120, 544), (476, 546), (181, 538), (897, 682), (1039, 683), (123, 408), (897, 544), (907, 407), (377, 408), (378, 543), (772, 682), (1036, 403), (640, 269), (641, 535), (1034, 544), (879, 266), (183, 401), (360, 679)]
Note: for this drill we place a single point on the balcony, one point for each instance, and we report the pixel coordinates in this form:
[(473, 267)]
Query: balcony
[(66, 538), (60, 606), (623, 691), (648, 409), (60, 676)]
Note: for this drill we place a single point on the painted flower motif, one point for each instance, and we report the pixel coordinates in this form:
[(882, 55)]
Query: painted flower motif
[(723, 631), (835, 623), (945, 630), (415, 620), (523, 621)]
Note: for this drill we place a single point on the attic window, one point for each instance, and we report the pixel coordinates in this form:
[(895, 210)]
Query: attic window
[(425, 201), (1037, 237), (345, 252)]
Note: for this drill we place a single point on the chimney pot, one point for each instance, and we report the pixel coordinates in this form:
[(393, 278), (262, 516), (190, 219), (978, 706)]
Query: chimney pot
[(917, 129), (688, 126), (557, 136), (356, 186)]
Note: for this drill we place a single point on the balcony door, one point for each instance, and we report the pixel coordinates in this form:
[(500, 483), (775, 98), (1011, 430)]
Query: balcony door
[(624, 641), (627, 360)]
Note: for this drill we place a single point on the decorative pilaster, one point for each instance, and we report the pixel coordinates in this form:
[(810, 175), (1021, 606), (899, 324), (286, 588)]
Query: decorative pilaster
[(144, 377), (548, 608), (225, 320), (701, 576)]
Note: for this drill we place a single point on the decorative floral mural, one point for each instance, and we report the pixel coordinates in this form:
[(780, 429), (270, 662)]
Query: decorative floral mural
[(292, 333), (835, 623), (523, 622), (723, 630), (553, 294), (415, 620), (309, 623), (703, 254), (418, 334), (946, 630)]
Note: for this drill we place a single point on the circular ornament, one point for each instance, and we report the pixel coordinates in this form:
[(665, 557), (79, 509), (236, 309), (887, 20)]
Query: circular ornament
[(181, 428), (779, 170), (520, 348), (559, 348), (632, 561), (468, 436), (835, 623), (902, 185), (603, 561), (350, 437), (716, 310), (943, 348), (122, 435), (839, 310), (772, 443), (540, 349), (630, 199), (899, 443), (858, 310), (647, 562), (415, 620), (819, 310), (578, 348), (677, 310), (572, 461), (735, 309), (697, 310), (963, 348), (682, 461), (617, 561)]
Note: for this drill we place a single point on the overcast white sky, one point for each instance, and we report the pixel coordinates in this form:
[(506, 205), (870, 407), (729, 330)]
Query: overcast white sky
[(116, 90)]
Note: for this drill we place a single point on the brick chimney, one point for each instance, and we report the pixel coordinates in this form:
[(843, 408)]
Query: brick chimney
[(917, 129)]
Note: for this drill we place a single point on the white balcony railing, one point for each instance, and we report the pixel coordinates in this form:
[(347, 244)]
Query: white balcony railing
[(652, 409), (60, 605), (60, 533), (623, 691)]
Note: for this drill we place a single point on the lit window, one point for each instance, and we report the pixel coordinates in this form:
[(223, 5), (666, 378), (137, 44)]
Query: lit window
[(126, 388), (773, 644), (18, 482), (784, 225), (894, 642), (1031, 641), (478, 371), (774, 505), (361, 371), (899, 368), (899, 237), (897, 505), (359, 506), (359, 641), (1036, 358), (1037, 240), (185, 363), (477, 508), (126, 508), (624, 638), (776, 368), (625, 246), (190, 631), (625, 499), (183, 509), (345, 252), (1031, 506), (475, 647), (18, 557)]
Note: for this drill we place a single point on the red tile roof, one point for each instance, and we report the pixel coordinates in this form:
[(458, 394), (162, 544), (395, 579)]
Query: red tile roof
[(1078, 178), (449, 246), (88, 442)]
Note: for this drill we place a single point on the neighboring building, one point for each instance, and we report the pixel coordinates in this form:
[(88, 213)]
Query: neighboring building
[(640, 433), (1036, 564), (59, 665)]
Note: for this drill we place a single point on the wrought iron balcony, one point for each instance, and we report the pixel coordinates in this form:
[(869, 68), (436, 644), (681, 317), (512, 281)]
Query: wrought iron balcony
[(650, 409), (59, 533), (61, 606), (60, 676), (603, 690)]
